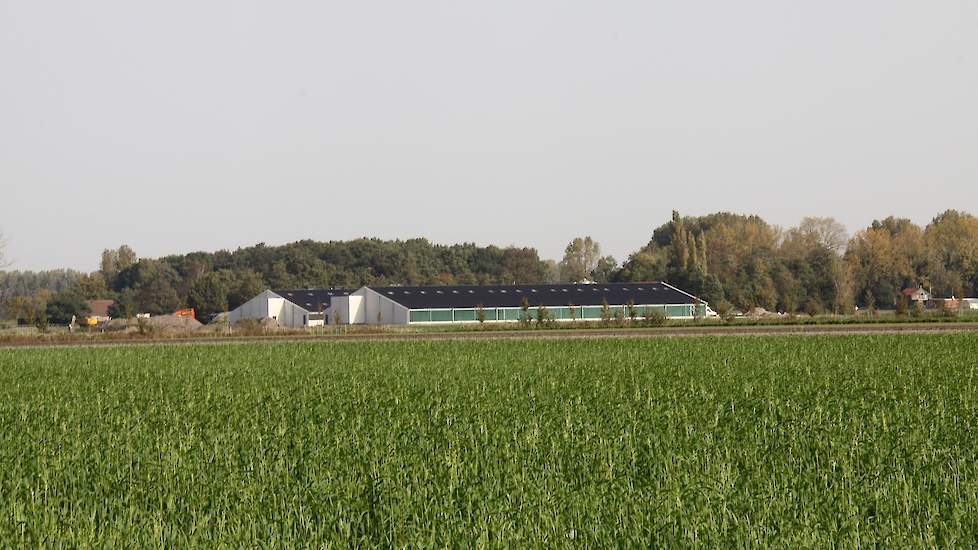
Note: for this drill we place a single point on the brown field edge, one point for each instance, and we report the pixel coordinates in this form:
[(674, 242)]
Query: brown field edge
[(903, 328)]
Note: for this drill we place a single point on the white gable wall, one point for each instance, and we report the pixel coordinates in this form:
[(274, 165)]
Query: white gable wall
[(381, 310), (346, 310), (270, 305), (255, 308), (366, 307)]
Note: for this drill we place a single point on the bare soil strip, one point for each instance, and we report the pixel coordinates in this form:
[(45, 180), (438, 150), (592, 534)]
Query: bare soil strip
[(804, 330)]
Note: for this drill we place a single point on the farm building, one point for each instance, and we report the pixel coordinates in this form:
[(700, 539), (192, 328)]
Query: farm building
[(916, 295), (98, 311), (290, 308), (401, 305)]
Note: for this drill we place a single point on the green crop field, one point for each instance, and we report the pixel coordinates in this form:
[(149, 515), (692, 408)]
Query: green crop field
[(724, 441)]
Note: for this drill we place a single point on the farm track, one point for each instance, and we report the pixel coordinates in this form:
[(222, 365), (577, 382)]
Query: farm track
[(803, 330)]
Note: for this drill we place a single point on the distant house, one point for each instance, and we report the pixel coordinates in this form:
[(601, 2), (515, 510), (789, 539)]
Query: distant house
[(950, 304), (100, 309), (916, 295), (98, 312)]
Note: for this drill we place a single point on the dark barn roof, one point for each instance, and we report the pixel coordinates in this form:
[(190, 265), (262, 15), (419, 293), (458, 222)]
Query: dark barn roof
[(312, 299), (433, 297)]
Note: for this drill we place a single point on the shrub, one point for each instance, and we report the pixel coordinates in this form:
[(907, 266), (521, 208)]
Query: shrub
[(42, 321), (605, 312), (525, 312), (901, 306), (654, 317), (619, 318)]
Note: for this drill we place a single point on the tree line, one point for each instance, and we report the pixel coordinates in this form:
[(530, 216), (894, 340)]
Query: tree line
[(214, 282), (733, 260), (729, 260)]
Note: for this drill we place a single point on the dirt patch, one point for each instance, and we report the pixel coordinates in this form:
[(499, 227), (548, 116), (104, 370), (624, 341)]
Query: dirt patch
[(172, 324)]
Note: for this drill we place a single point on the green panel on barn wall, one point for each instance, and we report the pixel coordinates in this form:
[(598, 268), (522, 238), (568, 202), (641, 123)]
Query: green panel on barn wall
[(677, 311), (489, 312), (420, 316), (649, 310), (465, 315), (591, 312), (441, 315), (510, 314)]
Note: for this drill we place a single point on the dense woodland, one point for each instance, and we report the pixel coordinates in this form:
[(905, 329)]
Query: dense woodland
[(730, 260)]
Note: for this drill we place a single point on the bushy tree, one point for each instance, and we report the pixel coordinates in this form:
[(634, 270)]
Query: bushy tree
[(209, 295), (581, 257), (124, 306), (63, 306)]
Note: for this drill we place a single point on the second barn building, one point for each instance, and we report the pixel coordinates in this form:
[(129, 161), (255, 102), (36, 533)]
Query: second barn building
[(387, 305)]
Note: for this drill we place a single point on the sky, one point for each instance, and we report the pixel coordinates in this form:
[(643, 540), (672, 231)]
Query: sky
[(184, 125)]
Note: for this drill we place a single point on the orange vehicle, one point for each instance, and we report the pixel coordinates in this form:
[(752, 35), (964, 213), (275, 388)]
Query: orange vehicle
[(186, 313)]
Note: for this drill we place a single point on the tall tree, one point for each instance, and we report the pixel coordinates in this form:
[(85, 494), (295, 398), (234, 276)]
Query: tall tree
[(156, 284), (952, 249), (522, 265), (580, 259), (109, 265), (604, 270), (825, 232), (125, 257)]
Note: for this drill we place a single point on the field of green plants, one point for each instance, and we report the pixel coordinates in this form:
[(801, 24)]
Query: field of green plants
[(716, 441)]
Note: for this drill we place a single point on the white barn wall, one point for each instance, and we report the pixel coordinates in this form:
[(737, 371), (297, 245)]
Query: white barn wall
[(269, 305), (401, 314), (382, 310), (291, 315), (347, 310), (255, 308), (363, 306), (357, 314)]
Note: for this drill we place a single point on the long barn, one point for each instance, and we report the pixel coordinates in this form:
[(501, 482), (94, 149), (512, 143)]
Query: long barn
[(421, 305)]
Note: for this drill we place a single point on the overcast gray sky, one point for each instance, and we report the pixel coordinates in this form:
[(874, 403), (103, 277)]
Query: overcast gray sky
[(186, 125)]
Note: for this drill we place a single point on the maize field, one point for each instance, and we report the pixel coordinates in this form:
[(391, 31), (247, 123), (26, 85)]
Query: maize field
[(786, 441)]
